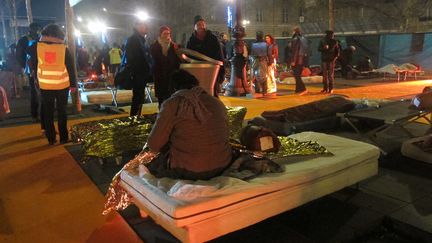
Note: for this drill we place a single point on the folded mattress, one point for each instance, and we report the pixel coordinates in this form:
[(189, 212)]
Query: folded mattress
[(182, 202)]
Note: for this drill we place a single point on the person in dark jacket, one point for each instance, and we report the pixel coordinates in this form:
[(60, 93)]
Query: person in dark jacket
[(346, 60), (329, 48), (51, 65), (205, 42), (21, 54), (140, 62), (165, 62), (299, 55)]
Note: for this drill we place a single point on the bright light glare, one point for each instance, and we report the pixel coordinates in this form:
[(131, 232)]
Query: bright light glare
[(96, 26), (245, 22), (77, 33), (79, 19), (104, 9), (142, 15)]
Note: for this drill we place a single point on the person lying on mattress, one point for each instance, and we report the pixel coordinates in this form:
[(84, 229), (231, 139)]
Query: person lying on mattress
[(191, 133)]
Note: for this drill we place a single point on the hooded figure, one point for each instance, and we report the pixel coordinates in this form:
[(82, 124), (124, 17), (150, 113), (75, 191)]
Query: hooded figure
[(191, 133)]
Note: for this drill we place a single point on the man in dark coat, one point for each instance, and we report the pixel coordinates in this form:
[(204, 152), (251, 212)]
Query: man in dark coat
[(299, 55), (140, 62), (21, 54), (206, 43), (165, 62), (329, 48), (346, 59)]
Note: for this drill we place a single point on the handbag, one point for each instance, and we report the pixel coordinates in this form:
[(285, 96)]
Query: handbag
[(124, 78)]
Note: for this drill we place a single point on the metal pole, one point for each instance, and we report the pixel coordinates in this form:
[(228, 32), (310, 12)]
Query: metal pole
[(238, 85), (72, 48), (331, 14)]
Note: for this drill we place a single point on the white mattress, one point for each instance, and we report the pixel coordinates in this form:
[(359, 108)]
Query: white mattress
[(222, 194)]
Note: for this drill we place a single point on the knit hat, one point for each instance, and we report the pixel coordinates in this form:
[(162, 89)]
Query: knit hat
[(164, 28), (198, 18), (329, 32)]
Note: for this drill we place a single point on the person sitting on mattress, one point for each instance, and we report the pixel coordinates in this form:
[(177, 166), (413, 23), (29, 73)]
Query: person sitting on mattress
[(191, 133)]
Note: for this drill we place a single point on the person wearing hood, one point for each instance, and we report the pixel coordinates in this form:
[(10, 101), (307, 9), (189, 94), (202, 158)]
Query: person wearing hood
[(140, 62), (51, 65), (205, 42), (166, 60), (191, 133)]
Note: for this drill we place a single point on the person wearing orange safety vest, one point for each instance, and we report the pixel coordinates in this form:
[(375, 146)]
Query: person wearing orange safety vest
[(51, 64)]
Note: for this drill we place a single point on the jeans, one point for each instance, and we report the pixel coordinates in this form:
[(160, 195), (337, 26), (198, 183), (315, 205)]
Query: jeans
[(328, 75)]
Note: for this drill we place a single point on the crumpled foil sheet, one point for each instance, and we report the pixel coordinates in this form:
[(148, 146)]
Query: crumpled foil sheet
[(112, 137), (118, 198), (236, 116), (290, 147)]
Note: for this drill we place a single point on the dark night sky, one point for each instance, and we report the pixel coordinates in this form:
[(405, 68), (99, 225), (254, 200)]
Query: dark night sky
[(45, 10)]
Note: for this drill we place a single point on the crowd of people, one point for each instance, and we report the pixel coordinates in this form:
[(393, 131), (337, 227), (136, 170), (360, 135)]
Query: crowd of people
[(42, 58)]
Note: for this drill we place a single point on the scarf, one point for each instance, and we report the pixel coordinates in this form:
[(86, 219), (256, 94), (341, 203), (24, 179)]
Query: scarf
[(191, 106), (165, 44)]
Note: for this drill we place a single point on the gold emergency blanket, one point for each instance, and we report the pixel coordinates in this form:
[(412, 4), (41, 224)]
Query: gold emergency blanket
[(117, 197), (236, 116), (113, 137), (291, 147)]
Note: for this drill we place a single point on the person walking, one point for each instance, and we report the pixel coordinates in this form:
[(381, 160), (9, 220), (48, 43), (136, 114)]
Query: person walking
[(51, 65), (115, 55), (273, 56), (166, 60), (329, 48), (140, 62), (299, 56), (205, 42), (22, 48)]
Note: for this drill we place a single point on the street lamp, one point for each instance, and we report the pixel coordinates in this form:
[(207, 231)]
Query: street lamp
[(238, 85), (141, 15), (96, 27)]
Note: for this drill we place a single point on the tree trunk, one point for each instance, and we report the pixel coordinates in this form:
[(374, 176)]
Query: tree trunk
[(29, 11), (72, 49), (5, 36), (331, 14), (14, 21)]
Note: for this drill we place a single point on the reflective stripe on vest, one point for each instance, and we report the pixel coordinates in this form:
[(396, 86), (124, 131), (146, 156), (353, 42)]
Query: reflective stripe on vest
[(51, 71)]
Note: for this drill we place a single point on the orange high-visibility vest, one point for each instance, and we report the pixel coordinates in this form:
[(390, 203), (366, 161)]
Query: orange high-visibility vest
[(51, 71)]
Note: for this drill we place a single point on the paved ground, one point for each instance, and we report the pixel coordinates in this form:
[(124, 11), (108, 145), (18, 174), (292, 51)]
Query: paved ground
[(46, 197)]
